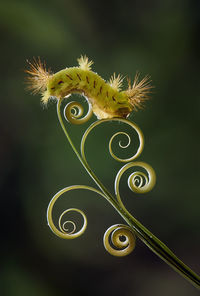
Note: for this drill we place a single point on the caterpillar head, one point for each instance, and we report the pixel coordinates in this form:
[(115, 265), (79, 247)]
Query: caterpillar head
[(38, 79)]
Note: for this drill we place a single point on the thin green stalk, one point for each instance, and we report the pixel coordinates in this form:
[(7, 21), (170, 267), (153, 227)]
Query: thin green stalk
[(85, 165), (142, 232)]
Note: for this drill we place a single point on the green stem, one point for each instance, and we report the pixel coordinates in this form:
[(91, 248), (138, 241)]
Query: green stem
[(85, 165), (142, 232)]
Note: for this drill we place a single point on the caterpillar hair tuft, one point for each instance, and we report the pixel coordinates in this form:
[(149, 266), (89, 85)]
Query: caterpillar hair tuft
[(139, 92), (38, 76)]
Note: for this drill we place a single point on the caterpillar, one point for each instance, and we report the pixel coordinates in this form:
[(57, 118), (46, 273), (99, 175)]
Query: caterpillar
[(106, 98)]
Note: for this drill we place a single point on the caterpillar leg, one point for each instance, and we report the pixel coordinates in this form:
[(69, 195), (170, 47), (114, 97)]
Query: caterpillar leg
[(123, 112)]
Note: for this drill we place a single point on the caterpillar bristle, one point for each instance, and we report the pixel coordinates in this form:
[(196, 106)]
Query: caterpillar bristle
[(116, 81), (84, 63), (139, 92), (38, 76)]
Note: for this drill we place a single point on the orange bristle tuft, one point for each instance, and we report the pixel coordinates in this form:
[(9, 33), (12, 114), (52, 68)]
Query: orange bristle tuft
[(139, 92), (38, 76)]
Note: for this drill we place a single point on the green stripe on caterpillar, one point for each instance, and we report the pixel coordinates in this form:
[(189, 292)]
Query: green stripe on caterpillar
[(107, 98)]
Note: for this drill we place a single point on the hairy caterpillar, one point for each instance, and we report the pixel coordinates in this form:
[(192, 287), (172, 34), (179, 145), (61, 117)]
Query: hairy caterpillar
[(106, 98)]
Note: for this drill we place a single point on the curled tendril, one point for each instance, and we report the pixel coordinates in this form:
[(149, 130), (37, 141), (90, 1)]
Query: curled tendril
[(122, 238), (133, 125), (73, 112), (62, 232), (120, 143), (63, 226), (138, 182)]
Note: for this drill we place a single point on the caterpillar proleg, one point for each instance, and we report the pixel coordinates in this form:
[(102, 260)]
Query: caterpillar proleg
[(107, 98)]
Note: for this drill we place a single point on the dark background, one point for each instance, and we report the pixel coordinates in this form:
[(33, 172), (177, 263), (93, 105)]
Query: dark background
[(160, 38)]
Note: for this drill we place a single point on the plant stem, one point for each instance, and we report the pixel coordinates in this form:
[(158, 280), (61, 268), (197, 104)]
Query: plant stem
[(142, 232)]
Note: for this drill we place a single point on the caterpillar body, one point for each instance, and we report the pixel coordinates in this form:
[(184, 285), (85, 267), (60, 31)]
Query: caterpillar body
[(106, 98)]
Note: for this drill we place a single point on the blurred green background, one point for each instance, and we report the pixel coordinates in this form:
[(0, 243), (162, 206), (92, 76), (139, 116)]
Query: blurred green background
[(160, 38)]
